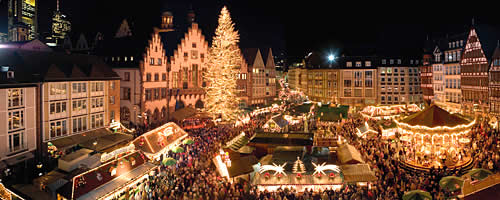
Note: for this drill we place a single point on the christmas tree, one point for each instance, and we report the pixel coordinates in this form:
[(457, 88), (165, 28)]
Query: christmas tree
[(298, 167), (223, 60)]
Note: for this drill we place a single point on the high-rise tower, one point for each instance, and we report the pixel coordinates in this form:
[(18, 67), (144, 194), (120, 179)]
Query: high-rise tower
[(60, 25), (22, 20)]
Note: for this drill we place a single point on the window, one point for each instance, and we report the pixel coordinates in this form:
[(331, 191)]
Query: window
[(358, 63), (16, 141), (347, 83), (383, 61), (151, 61), (79, 88), (382, 98), (131, 58), (125, 58), (148, 94), (399, 61), (186, 55), (194, 54), (15, 97), (97, 86), (157, 93), (395, 70), (159, 61), (112, 99), (112, 116), (202, 56), (368, 63), (112, 85), (57, 107), (126, 76), (79, 124), (194, 75), (126, 93), (349, 64), (347, 92), (163, 76), (148, 77), (358, 80), (79, 105), (57, 88), (16, 119), (96, 121), (97, 102), (411, 62), (193, 45), (391, 61), (58, 128), (185, 74), (175, 80), (163, 93), (368, 79), (157, 77)]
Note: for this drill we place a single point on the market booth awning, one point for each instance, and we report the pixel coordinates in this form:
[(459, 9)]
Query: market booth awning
[(358, 173), (70, 141), (348, 154), (183, 113), (160, 139)]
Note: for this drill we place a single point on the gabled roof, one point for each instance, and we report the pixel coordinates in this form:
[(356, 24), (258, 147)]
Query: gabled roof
[(488, 36), (434, 116), (250, 55), (34, 66), (280, 121)]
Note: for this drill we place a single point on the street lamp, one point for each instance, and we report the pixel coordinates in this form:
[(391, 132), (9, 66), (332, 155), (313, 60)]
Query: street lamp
[(331, 58)]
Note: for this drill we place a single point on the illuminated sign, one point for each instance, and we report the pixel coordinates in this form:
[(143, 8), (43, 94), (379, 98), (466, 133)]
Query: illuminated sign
[(278, 169), (108, 156), (324, 167)]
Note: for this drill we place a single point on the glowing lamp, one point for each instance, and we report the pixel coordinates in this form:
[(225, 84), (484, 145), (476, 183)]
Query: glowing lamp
[(331, 57)]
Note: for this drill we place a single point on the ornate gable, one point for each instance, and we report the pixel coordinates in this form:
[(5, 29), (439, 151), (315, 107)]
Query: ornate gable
[(473, 52), (124, 30)]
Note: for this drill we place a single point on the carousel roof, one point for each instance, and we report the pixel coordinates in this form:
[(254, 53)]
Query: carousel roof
[(434, 116)]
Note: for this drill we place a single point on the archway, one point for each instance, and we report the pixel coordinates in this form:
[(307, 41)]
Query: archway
[(179, 104), (156, 115), (164, 114), (199, 104)]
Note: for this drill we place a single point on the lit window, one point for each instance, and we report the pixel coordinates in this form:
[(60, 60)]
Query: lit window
[(358, 63), (125, 58), (391, 61), (383, 61), (349, 64)]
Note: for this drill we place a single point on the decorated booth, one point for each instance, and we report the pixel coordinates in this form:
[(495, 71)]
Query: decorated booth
[(435, 138), (158, 141), (276, 124), (109, 179)]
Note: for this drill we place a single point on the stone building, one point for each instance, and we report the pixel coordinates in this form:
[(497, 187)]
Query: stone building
[(399, 80)]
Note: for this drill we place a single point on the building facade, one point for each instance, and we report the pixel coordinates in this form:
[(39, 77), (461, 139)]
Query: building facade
[(22, 23), (358, 81), (322, 85), (399, 81), (187, 64), (451, 73), (297, 79), (61, 26), (426, 76), (474, 76), (257, 69), (494, 85), (18, 132), (270, 75), (437, 75)]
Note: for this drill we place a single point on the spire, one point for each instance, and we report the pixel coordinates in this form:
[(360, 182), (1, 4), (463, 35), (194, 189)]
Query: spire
[(472, 21), (190, 15), (57, 6)]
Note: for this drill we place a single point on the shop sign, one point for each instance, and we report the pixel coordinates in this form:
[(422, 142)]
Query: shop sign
[(108, 156)]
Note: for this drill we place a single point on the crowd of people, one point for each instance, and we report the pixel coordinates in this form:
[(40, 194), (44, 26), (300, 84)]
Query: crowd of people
[(194, 176)]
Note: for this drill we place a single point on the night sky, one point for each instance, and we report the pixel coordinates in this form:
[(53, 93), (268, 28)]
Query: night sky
[(292, 27)]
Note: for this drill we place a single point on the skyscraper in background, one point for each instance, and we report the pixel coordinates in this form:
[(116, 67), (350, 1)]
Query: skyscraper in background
[(60, 26), (22, 23)]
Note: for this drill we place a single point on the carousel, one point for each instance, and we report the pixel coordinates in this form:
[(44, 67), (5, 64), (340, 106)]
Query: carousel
[(435, 138), (388, 112)]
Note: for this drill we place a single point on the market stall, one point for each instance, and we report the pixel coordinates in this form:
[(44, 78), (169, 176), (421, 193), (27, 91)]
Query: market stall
[(108, 179), (277, 123), (437, 138), (158, 141)]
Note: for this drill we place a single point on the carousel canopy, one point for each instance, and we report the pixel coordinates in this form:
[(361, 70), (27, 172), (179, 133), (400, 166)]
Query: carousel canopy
[(434, 116)]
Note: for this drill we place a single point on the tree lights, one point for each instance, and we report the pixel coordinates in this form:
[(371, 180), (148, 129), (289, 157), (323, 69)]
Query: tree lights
[(223, 60)]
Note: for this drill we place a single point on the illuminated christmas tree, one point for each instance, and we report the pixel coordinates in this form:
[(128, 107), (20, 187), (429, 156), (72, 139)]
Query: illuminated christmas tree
[(298, 167), (223, 60)]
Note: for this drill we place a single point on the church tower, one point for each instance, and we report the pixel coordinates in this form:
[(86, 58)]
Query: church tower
[(167, 21)]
